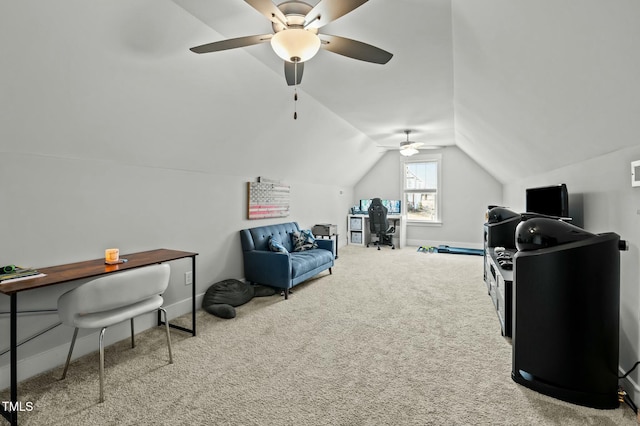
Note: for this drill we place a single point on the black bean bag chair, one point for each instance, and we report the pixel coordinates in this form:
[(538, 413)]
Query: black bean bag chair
[(221, 298)]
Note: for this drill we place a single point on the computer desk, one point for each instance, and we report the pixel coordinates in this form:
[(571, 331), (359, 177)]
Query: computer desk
[(75, 271), (361, 225)]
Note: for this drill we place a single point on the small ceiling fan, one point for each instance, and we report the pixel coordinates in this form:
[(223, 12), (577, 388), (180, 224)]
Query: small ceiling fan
[(296, 38), (409, 148)]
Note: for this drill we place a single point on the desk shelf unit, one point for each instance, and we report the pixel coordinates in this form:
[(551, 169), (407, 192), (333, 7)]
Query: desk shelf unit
[(355, 229)]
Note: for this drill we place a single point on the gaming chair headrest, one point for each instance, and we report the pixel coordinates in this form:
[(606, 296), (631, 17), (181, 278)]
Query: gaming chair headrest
[(376, 205), (500, 214)]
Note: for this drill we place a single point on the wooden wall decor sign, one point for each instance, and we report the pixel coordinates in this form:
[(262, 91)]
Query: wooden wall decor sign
[(268, 198)]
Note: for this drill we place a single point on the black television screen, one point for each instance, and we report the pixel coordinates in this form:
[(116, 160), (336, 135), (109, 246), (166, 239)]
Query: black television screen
[(548, 200)]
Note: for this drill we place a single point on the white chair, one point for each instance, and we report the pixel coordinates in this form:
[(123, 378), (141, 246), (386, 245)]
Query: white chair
[(112, 299)]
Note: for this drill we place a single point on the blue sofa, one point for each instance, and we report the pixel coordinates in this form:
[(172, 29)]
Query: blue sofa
[(282, 270)]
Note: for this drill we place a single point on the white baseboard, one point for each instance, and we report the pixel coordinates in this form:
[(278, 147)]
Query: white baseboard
[(56, 357)]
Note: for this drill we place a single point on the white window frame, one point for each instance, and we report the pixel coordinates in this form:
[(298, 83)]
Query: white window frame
[(422, 158)]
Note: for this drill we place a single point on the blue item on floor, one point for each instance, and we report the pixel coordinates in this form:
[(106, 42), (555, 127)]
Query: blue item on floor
[(460, 250)]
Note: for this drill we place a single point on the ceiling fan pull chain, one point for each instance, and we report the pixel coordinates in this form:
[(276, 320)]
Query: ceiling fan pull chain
[(295, 104), (295, 90)]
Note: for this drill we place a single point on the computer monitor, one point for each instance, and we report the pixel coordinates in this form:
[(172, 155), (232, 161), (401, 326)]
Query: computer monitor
[(393, 206)]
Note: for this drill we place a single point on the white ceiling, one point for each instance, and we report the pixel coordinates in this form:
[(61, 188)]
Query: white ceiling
[(413, 91), (543, 84), (523, 87)]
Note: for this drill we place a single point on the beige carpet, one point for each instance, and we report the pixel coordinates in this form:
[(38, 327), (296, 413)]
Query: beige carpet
[(393, 337)]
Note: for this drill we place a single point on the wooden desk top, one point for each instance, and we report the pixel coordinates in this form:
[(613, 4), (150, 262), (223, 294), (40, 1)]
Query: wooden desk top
[(92, 268)]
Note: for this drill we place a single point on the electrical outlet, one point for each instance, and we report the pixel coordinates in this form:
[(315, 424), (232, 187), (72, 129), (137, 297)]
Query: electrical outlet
[(188, 278)]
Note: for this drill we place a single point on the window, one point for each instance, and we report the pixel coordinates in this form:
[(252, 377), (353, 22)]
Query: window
[(421, 180)]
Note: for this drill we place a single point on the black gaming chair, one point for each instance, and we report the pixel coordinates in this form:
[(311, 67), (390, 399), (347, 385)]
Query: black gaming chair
[(378, 224)]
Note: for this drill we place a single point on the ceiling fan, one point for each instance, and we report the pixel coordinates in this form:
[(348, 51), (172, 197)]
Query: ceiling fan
[(296, 38), (409, 148)]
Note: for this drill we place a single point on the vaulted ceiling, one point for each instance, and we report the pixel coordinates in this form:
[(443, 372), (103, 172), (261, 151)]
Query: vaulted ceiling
[(523, 87), (543, 84), (413, 91)]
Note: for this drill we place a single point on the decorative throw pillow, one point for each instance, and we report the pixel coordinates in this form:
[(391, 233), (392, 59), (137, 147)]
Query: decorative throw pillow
[(276, 245), (303, 240)]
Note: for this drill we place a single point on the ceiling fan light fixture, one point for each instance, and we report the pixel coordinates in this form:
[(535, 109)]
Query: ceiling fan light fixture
[(408, 151), (295, 44), (408, 148)]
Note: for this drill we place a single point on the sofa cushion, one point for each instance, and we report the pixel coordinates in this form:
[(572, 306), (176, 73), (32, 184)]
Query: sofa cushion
[(258, 238), (276, 245), (303, 240), (307, 260)]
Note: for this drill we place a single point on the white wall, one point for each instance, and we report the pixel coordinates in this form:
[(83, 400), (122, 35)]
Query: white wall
[(610, 204), (467, 190), (69, 210), (113, 134)]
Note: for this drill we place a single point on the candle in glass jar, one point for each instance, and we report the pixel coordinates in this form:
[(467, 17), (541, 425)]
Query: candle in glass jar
[(111, 255)]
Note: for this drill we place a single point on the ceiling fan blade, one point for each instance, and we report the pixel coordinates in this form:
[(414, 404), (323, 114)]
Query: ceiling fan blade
[(415, 145), (354, 49), (290, 72), (231, 43), (269, 10), (330, 10)]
